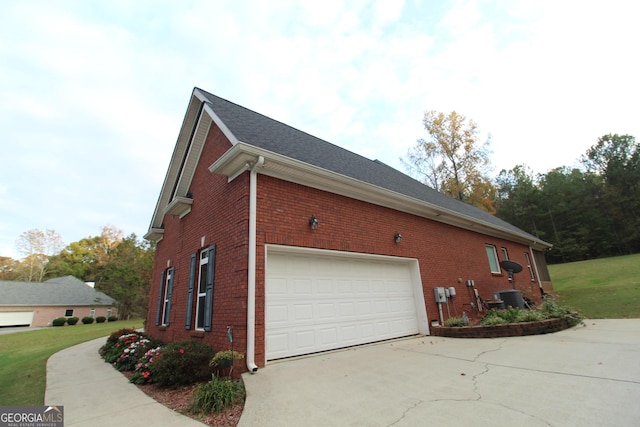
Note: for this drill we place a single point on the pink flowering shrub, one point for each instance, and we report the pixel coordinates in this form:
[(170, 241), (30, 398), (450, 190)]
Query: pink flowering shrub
[(142, 373), (125, 347)]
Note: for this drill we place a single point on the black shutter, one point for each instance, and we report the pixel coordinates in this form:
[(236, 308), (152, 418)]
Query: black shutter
[(160, 292), (169, 295), (208, 301), (192, 280)]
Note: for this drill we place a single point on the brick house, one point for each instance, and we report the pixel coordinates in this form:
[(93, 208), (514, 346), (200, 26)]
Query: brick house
[(38, 303), (298, 246)]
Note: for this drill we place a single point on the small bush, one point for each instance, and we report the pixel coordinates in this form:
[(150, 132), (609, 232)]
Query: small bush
[(60, 321), (101, 319), (529, 316), (112, 318), (125, 347), (492, 321), (113, 339), (182, 363), (454, 322), (87, 320), (142, 373), (216, 395), (133, 348), (550, 309), (72, 321)]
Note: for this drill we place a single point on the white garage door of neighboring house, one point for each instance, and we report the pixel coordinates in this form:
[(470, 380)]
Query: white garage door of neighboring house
[(322, 300), (16, 318)]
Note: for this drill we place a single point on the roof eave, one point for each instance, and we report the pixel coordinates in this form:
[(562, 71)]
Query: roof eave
[(242, 156)]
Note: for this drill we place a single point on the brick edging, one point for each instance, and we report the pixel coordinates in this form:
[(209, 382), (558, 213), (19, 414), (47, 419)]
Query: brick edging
[(508, 330)]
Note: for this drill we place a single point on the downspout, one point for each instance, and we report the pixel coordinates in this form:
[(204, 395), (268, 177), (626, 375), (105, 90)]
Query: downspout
[(251, 285)]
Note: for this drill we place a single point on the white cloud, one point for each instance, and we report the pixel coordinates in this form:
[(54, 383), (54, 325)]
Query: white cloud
[(94, 93)]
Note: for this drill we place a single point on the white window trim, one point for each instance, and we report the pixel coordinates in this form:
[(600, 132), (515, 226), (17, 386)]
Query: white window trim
[(494, 252), (201, 295), (165, 299)]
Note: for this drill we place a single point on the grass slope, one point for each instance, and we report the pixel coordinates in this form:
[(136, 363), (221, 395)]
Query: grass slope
[(601, 288), (24, 355)]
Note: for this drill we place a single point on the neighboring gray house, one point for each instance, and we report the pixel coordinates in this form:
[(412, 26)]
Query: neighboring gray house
[(38, 303)]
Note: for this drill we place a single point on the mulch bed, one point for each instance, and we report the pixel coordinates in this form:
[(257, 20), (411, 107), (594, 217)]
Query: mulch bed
[(181, 399)]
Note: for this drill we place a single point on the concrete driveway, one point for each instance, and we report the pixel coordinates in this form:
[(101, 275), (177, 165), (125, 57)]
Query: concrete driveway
[(585, 376)]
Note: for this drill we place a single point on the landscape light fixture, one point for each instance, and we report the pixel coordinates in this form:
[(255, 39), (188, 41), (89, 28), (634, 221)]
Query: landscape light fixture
[(397, 237), (313, 222)]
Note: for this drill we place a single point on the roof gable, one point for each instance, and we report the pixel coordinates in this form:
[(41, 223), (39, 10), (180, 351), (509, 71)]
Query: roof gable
[(292, 153)]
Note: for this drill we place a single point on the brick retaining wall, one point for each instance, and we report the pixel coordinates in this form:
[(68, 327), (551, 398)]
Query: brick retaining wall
[(508, 330)]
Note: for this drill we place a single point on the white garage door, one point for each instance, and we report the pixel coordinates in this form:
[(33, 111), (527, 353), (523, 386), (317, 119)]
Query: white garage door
[(16, 318), (317, 302)]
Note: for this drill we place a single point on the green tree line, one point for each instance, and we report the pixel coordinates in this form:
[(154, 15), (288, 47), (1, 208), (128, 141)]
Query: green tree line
[(587, 212), (121, 267)]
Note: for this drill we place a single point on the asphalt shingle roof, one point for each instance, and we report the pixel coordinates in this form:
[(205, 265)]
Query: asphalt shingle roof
[(65, 291), (269, 134)]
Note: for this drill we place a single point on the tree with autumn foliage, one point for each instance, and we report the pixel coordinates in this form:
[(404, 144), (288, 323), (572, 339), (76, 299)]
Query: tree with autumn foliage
[(85, 258), (452, 159), (36, 246)]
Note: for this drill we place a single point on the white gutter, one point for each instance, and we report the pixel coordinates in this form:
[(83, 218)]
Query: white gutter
[(251, 291)]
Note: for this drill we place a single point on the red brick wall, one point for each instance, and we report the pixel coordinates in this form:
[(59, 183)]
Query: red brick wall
[(446, 254), (220, 214)]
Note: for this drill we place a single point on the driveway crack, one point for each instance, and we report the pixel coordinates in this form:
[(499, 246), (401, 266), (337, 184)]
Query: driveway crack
[(406, 411)]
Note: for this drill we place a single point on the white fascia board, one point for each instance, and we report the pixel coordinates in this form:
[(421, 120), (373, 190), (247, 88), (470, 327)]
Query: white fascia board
[(242, 156), (182, 141), (223, 127)]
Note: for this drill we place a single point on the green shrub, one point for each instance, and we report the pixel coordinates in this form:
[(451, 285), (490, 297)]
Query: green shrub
[(125, 347), (60, 321), (550, 309), (529, 316), (492, 321), (113, 339), (101, 319), (133, 349), (510, 314), (112, 318), (182, 363), (87, 320), (142, 373), (454, 322), (216, 395), (72, 320)]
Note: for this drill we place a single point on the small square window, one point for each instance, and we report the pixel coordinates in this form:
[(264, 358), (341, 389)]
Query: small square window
[(68, 312)]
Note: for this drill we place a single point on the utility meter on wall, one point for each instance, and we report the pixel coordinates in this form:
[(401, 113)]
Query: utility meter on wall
[(440, 294)]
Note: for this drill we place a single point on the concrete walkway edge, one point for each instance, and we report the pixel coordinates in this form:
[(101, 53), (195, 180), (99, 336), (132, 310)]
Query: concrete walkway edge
[(95, 394)]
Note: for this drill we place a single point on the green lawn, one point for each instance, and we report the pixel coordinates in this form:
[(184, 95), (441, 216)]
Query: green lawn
[(601, 288), (24, 355)]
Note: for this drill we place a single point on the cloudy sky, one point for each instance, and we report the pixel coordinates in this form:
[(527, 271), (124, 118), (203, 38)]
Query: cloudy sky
[(93, 93)]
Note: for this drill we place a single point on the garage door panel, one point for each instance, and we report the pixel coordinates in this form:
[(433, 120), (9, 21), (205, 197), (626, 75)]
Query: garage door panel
[(326, 310), (305, 340), (324, 287), (278, 314), (334, 302), (302, 312)]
